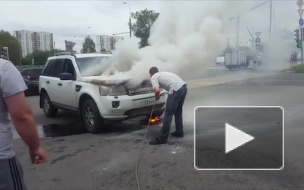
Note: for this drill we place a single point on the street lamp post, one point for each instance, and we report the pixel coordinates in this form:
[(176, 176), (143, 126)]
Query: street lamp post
[(270, 19), (130, 24), (85, 36)]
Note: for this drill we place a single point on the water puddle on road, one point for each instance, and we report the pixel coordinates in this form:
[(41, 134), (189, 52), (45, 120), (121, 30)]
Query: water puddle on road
[(56, 130), (68, 129)]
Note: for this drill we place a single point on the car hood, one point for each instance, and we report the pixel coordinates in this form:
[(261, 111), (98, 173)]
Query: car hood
[(100, 81), (130, 83), (133, 86)]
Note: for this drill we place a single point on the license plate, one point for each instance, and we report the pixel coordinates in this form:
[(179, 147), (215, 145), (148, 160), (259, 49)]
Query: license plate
[(147, 102)]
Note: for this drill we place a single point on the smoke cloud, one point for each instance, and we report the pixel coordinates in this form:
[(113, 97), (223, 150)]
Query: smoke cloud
[(186, 37)]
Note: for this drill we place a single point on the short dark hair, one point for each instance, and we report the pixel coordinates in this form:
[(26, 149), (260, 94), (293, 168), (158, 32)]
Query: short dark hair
[(153, 70)]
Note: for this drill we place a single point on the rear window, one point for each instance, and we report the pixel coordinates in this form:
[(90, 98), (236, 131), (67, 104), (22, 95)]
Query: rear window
[(31, 72)]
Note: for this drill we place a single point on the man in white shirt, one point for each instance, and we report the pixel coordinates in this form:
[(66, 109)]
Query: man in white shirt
[(177, 89), (15, 111)]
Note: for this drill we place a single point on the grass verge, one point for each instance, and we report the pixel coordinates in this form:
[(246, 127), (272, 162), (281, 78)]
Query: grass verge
[(297, 69)]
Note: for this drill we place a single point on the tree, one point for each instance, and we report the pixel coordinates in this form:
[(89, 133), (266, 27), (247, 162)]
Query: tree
[(39, 57), (7, 40), (88, 46), (142, 26)]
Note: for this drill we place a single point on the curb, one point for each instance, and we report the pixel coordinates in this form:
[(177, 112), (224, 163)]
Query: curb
[(289, 71)]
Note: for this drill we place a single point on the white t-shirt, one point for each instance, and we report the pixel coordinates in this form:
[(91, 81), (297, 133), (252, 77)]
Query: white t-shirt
[(168, 81), (11, 83)]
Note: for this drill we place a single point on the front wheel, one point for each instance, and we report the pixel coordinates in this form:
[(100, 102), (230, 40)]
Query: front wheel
[(92, 119), (48, 108)]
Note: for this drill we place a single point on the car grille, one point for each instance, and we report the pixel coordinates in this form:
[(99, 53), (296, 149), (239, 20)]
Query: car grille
[(144, 88), (138, 91)]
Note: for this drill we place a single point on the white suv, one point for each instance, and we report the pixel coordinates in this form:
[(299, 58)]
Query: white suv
[(65, 84)]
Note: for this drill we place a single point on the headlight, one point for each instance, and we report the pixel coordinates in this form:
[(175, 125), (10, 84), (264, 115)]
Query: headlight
[(112, 91)]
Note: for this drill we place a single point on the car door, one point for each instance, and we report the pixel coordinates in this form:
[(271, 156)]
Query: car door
[(46, 78), (67, 88), (54, 81)]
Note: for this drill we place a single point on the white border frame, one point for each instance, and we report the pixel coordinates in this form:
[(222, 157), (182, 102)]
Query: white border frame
[(228, 169)]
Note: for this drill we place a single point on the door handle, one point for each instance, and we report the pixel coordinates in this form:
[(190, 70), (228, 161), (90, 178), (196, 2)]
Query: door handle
[(47, 82), (59, 84)]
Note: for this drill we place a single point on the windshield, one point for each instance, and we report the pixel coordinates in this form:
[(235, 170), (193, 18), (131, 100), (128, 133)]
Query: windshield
[(91, 66)]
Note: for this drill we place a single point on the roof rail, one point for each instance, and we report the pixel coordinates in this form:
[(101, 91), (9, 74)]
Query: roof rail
[(98, 53), (63, 53)]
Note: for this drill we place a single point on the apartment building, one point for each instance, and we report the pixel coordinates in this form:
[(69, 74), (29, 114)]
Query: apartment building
[(34, 41)]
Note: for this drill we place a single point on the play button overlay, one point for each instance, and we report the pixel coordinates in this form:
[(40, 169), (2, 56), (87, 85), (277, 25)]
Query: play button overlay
[(239, 138), (235, 138)]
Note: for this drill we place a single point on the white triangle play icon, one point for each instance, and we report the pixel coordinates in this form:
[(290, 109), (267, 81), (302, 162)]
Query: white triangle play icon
[(235, 138)]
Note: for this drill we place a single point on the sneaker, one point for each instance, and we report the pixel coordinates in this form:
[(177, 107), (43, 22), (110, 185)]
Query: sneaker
[(157, 141), (177, 134)]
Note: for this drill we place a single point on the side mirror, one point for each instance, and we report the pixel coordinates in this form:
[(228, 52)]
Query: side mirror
[(66, 76)]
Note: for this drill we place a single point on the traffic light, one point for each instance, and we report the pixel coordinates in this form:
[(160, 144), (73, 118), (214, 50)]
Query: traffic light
[(4, 53), (299, 44), (297, 35)]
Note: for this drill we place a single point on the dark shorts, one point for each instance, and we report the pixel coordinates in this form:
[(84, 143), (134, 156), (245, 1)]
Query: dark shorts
[(11, 175)]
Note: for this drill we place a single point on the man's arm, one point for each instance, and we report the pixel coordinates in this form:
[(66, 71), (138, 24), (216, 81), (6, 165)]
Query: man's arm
[(157, 93), (12, 86), (25, 125), (156, 88)]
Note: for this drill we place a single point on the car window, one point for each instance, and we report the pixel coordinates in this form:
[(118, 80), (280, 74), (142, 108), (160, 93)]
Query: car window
[(31, 72), (58, 68), (68, 67), (47, 70)]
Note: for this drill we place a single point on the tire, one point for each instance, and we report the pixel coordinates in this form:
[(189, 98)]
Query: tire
[(92, 119), (48, 109)]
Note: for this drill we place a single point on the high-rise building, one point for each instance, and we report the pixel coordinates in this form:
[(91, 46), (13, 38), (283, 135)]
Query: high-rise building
[(114, 40), (34, 41), (106, 43)]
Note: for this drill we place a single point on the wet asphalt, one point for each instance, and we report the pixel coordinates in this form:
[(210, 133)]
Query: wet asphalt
[(78, 160)]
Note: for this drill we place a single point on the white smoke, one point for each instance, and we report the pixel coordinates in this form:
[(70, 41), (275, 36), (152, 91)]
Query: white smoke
[(186, 37), (277, 52)]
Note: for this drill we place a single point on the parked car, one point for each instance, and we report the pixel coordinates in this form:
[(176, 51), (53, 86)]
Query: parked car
[(19, 68), (31, 79), (66, 84)]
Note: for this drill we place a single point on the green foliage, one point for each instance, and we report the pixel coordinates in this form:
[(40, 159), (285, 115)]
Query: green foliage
[(7, 40), (88, 46), (297, 69), (26, 61), (142, 26), (39, 57)]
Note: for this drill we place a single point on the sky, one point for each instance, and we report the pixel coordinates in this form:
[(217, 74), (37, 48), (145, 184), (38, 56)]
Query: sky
[(69, 20)]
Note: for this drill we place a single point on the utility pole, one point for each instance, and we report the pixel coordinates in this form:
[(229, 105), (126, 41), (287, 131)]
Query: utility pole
[(270, 19), (130, 24), (237, 43), (301, 22), (301, 33), (237, 32)]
